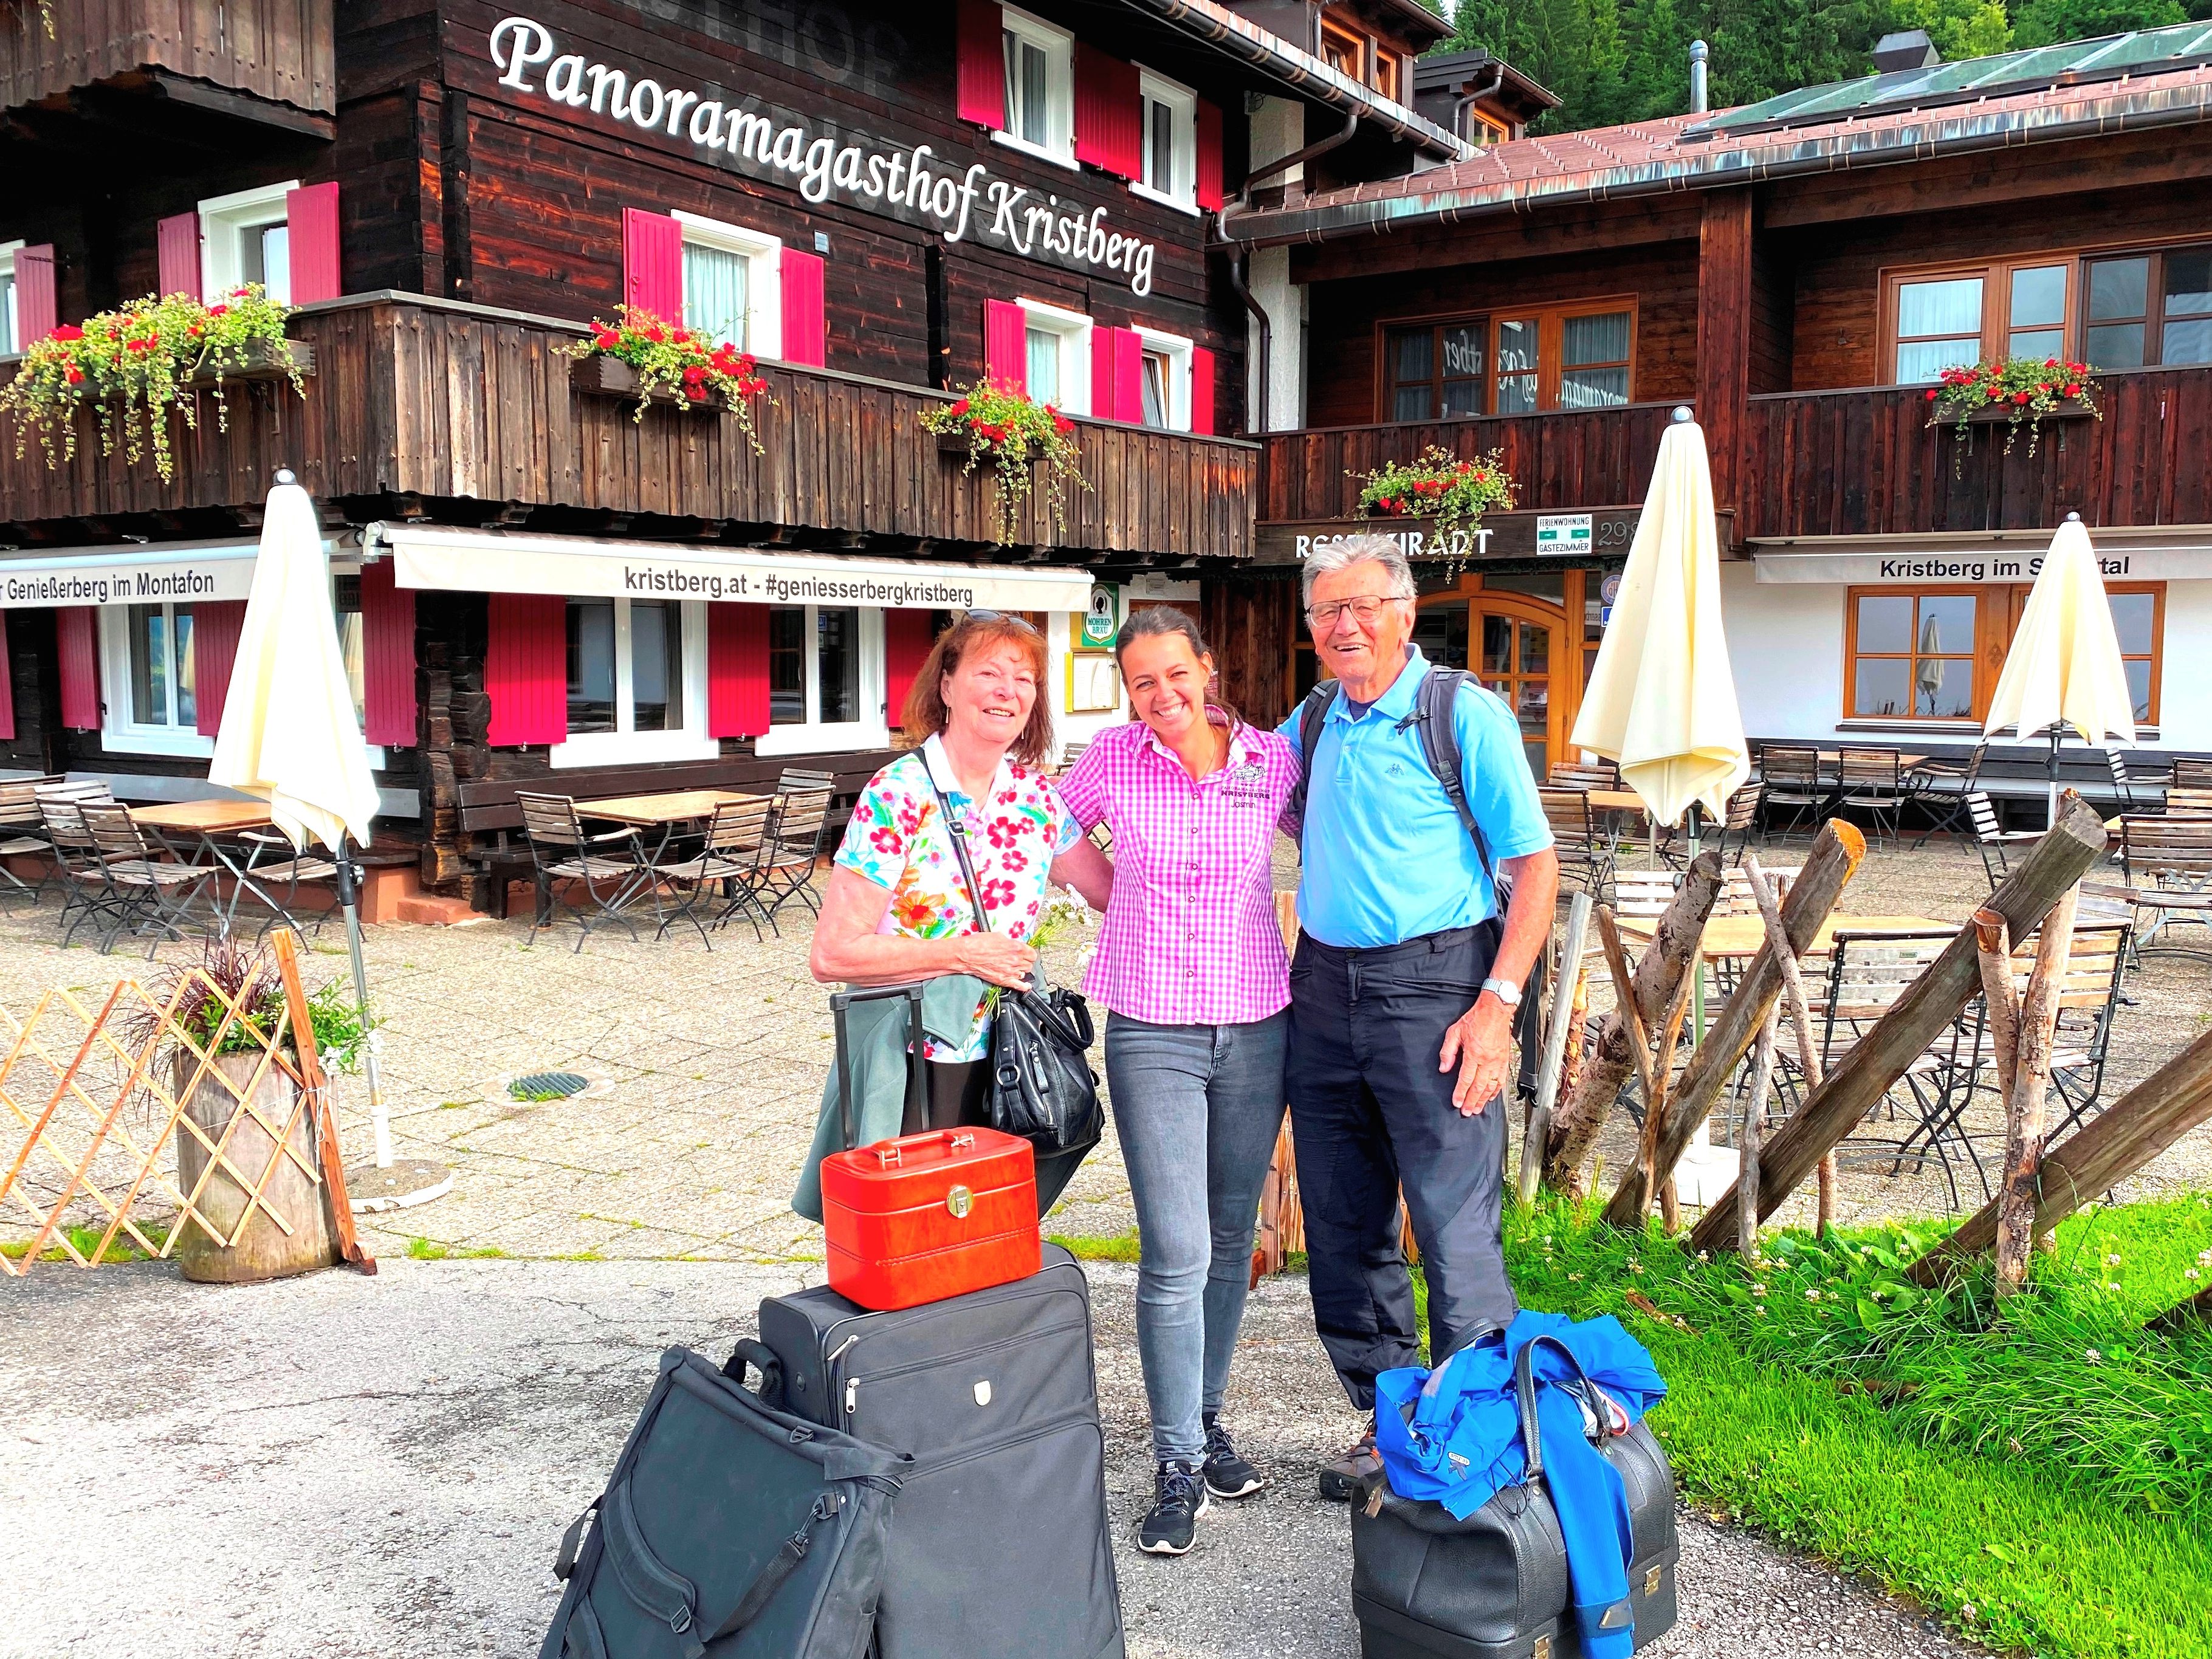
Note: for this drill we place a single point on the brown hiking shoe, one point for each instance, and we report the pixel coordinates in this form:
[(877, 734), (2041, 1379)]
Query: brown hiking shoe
[(1340, 1476)]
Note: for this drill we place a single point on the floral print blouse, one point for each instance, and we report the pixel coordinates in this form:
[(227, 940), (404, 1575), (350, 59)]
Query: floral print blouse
[(897, 839)]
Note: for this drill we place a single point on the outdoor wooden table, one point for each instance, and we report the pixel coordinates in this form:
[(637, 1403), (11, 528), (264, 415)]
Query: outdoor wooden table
[(677, 807), (1615, 800), (1736, 936), (206, 822)]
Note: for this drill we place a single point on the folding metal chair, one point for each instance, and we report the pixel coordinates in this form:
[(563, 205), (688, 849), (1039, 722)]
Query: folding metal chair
[(86, 895), (732, 857), (1873, 780), (1584, 775), (1994, 841), (149, 895), (802, 818), (2190, 772), (1947, 783), (22, 832), (561, 856), (1791, 775), (1584, 854), (2168, 861), (287, 868)]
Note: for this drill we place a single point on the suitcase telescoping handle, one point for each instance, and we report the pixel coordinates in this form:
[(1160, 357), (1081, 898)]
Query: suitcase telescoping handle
[(916, 1085)]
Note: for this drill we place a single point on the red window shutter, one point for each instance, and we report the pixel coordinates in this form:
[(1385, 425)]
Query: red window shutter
[(7, 688), (1209, 156), (1201, 390), (1006, 345), (527, 669), (652, 263), (1117, 375), (387, 658), (737, 670), (1109, 113), (806, 319), (38, 306), (214, 647), (906, 639), (77, 642), (177, 245), (311, 225), (979, 44)]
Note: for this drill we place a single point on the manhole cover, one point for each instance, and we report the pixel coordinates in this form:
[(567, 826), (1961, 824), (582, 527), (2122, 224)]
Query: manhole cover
[(548, 1086)]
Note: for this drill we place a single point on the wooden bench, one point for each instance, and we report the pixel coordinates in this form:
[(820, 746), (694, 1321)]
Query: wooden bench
[(491, 817)]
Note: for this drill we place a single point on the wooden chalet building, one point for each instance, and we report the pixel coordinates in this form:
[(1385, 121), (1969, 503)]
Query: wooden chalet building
[(1798, 272), (880, 201)]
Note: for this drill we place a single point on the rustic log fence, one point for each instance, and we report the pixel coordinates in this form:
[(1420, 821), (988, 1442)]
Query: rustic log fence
[(231, 1152)]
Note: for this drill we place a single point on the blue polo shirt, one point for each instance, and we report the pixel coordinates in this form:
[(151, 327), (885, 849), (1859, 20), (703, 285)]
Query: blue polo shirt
[(1387, 858)]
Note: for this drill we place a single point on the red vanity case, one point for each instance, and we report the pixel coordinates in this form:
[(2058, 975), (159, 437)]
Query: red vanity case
[(928, 1216)]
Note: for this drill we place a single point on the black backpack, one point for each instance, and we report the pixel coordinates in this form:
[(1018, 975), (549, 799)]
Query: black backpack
[(1433, 712)]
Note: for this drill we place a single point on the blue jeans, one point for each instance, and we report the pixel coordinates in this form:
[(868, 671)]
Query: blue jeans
[(1198, 1108)]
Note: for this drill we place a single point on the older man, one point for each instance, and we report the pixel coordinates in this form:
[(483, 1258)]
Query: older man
[(1404, 989)]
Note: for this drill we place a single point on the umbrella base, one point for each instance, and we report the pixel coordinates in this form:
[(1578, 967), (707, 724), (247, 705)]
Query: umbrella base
[(404, 1183)]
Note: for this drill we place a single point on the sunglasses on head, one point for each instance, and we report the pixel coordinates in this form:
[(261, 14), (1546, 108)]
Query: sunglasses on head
[(982, 616)]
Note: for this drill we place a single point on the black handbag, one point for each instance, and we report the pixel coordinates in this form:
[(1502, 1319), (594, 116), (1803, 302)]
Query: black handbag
[(1042, 1088), (1494, 1586)]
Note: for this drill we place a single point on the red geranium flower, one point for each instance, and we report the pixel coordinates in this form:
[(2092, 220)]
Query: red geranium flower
[(606, 339), (655, 333), (217, 311), (72, 374), (960, 408), (1062, 424), (69, 332), (2074, 389), (2020, 397), (1933, 394)]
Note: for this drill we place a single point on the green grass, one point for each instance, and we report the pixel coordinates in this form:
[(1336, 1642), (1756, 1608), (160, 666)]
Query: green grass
[(86, 1240), (2041, 1477), (1087, 1247), (423, 1249)]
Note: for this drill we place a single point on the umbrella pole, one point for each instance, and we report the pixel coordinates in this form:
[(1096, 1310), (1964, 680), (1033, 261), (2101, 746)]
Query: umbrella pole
[(349, 899), (2051, 775)]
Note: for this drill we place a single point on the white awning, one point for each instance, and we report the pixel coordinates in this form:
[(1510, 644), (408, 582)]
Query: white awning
[(133, 574), (2151, 553), (497, 562)]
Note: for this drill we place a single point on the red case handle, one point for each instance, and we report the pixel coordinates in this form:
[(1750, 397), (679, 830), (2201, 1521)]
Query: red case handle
[(889, 1153)]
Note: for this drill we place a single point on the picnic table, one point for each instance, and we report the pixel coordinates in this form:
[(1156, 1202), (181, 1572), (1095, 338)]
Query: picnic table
[(1735, 937)]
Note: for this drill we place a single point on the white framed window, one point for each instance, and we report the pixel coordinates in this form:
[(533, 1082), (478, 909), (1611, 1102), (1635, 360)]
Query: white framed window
[(148, 683), (637, 682), (1039, 87), (1166, 380), (1169, 174), (732, 284), (247, 237), (353, 649), (1057, 356), (825, 679), (10, 333)]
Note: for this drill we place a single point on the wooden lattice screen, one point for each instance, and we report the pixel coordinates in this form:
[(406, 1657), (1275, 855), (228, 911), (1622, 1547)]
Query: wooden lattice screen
[(84, 1091)]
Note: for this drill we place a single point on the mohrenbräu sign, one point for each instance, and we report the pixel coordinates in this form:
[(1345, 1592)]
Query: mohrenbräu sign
[(824, 163)]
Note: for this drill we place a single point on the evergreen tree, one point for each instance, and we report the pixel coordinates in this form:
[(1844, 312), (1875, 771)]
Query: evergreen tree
[(2043, 21)]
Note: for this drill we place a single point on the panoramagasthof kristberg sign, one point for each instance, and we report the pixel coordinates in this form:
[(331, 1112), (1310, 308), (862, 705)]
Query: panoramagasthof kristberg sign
[(823, 162)]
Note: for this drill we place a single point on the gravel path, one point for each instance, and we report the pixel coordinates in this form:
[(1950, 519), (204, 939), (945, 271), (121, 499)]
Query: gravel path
[(336, 1467)]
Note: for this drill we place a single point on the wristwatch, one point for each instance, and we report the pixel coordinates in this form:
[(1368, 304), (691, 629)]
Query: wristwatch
[(1504, 990)]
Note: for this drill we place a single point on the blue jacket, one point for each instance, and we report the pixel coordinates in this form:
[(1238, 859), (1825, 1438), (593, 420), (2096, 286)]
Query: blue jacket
[(1452, 1435)]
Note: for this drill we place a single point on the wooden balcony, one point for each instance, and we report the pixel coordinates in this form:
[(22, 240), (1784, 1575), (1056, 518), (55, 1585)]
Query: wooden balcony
[(1864, 463), (272, 60), (442, 402), (1563, 462)]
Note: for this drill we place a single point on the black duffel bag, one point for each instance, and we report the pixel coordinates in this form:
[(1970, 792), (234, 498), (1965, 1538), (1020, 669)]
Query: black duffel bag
[(1495, 1586), (729, 1528)]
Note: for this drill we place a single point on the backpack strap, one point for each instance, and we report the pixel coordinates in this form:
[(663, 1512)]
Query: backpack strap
[(1433, 712), (1311, 714)]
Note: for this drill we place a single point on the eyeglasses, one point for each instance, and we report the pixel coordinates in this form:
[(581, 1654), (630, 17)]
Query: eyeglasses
[(982, 616), (1364, 609)]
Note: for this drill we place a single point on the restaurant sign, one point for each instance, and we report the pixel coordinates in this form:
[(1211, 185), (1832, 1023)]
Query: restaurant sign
[(803, 151), (128, 575), (1604, 532), (492, 561), (1981, 565)]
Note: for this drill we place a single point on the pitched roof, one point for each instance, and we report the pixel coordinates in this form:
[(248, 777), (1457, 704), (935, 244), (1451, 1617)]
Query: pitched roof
[(1705, 151)]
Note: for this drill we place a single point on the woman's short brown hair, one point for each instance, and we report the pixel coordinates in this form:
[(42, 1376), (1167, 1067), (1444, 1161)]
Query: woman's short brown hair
[(980, 630)]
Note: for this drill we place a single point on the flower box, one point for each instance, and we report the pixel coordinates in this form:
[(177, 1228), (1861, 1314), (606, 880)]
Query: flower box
[(600, 375), (259, 360), (2068, 409)]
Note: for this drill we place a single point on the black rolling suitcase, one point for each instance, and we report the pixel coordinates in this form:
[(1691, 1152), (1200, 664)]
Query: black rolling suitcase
[(1494, 1586), (1000, 1549)]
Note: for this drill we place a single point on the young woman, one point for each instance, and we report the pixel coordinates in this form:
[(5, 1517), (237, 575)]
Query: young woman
[(1191, 968), (897, 907)]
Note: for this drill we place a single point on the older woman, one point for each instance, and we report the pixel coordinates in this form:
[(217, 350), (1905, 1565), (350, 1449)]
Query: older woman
[(897, 907), (1192, 970)]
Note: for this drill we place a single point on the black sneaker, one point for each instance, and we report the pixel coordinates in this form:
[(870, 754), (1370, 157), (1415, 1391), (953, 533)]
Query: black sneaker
[(1227, 1475), (1339, 1476), (1172, 1527)]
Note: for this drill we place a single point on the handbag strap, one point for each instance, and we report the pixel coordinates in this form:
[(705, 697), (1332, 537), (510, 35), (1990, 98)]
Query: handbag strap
[(956, 827)]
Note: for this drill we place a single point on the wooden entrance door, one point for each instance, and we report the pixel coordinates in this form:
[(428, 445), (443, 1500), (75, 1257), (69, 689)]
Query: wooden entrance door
[(1520, 648)]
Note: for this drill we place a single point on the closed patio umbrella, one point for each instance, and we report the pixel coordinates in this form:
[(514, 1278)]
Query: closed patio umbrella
[(290, 734), (2064, 668), (1662, 698)]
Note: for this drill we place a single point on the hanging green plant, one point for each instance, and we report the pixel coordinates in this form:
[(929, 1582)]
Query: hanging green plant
[(1004, 428), (135, 363), (1452, 493), (661, 362), (2021, 392)]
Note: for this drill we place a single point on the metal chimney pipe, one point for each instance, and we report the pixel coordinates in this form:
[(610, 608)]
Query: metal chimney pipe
[(1699, 102)]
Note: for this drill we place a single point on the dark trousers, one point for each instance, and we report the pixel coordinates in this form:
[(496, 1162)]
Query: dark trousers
[(1369, 1113)]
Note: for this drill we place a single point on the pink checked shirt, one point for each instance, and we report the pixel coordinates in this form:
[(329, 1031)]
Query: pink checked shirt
[(1190, 936)]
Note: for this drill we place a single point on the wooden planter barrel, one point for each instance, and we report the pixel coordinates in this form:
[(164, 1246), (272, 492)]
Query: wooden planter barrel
[(263, 1250)]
